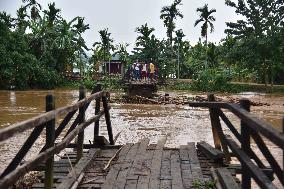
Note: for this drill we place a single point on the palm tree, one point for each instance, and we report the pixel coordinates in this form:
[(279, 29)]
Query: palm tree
[(169, 14), (35, 8), (145, 34), (106, 44), (51, 14), (207, 19)]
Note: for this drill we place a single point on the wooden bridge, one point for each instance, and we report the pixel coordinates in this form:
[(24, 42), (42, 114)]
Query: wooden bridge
[(102, 164)]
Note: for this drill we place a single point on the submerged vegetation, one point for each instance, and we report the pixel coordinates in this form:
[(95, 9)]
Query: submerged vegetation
[(39, 48)]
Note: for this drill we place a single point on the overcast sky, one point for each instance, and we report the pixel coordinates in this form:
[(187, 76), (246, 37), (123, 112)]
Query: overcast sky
[(123, 16)]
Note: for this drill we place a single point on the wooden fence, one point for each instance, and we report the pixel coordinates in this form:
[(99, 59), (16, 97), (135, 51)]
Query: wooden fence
[(250, 127), (47, 120)]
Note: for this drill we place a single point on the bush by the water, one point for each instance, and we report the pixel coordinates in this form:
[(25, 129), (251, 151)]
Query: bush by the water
[(211, 80)]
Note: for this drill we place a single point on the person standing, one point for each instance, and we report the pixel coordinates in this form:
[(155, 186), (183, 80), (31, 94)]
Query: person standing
[(136, 71), (152, 70), (144, 72)]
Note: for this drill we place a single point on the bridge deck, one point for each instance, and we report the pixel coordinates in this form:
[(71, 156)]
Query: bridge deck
[(138, 165)]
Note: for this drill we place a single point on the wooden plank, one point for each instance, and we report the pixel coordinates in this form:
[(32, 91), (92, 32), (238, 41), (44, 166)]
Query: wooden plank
[(79, 168), (156, 165), (261, 179), (136, 168), (194, 164), (125, 166), (10, 131), (166, 178), (176, 171), (211, 152), (112, 174), (226, 179), (20, 171), (185, 166), (143, 180), (130, 184)]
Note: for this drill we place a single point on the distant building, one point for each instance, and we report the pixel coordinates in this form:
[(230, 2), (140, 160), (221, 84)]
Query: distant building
[(114, 67)]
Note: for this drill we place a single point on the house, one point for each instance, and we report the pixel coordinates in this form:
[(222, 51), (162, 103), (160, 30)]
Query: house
[(115, 66)]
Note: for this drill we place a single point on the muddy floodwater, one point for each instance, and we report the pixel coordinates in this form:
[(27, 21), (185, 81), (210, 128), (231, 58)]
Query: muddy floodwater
[(132, 122)]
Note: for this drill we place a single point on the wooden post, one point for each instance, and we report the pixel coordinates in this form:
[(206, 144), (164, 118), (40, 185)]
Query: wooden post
[(245, 132), (218, 135), (107, 118), (98, 88), (80, 140), (215, 121), (50, 138)]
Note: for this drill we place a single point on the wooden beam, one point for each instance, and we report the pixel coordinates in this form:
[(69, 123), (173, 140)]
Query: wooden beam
[(226, 179), (81, 116), (10, 179), (261, 179), (79, 168), (210, 152), (50, 138), (43, 118), (258, 125)]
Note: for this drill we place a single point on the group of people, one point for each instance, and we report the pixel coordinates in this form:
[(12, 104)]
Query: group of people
[(141, 71)]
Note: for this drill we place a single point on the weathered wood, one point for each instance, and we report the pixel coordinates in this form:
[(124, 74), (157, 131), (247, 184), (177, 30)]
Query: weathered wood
[(215, 123), (215, 178), (80, 141), (10, 131), (210, 152), (185, 166), (176, 171), (194, 164), (23, 151), (238, 170), (245, 144), (79, 168), (20, 171), (143, 179), (125, 167), (240, 138), (226, 179), (217, 131), (50, 138), (267, 154), (258, 125), (251, 120), (107, 118), (112, 174), (156, 164), (261, 179), (139, 159), (98, 88), (166, 178)]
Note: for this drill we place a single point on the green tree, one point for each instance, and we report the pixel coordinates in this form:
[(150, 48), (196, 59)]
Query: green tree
[(262, 22), (168, 15), (207, 19), (105, 45)]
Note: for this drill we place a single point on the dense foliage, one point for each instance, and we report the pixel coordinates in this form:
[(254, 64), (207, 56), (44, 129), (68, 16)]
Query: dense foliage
[(39, 48)]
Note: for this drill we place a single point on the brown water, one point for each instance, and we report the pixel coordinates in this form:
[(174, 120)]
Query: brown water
[(181, 124)]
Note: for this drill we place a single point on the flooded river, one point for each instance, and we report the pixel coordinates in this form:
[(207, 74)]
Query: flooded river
[(181, 124)]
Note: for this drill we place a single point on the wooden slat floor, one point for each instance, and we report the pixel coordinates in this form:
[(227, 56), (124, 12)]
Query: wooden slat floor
[(140, 166)]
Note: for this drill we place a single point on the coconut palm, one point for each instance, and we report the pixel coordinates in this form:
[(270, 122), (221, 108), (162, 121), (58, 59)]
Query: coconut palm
[(51, 14), (169, 14), (144, 35), (207, 19), (35, 8), (105, 45)]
